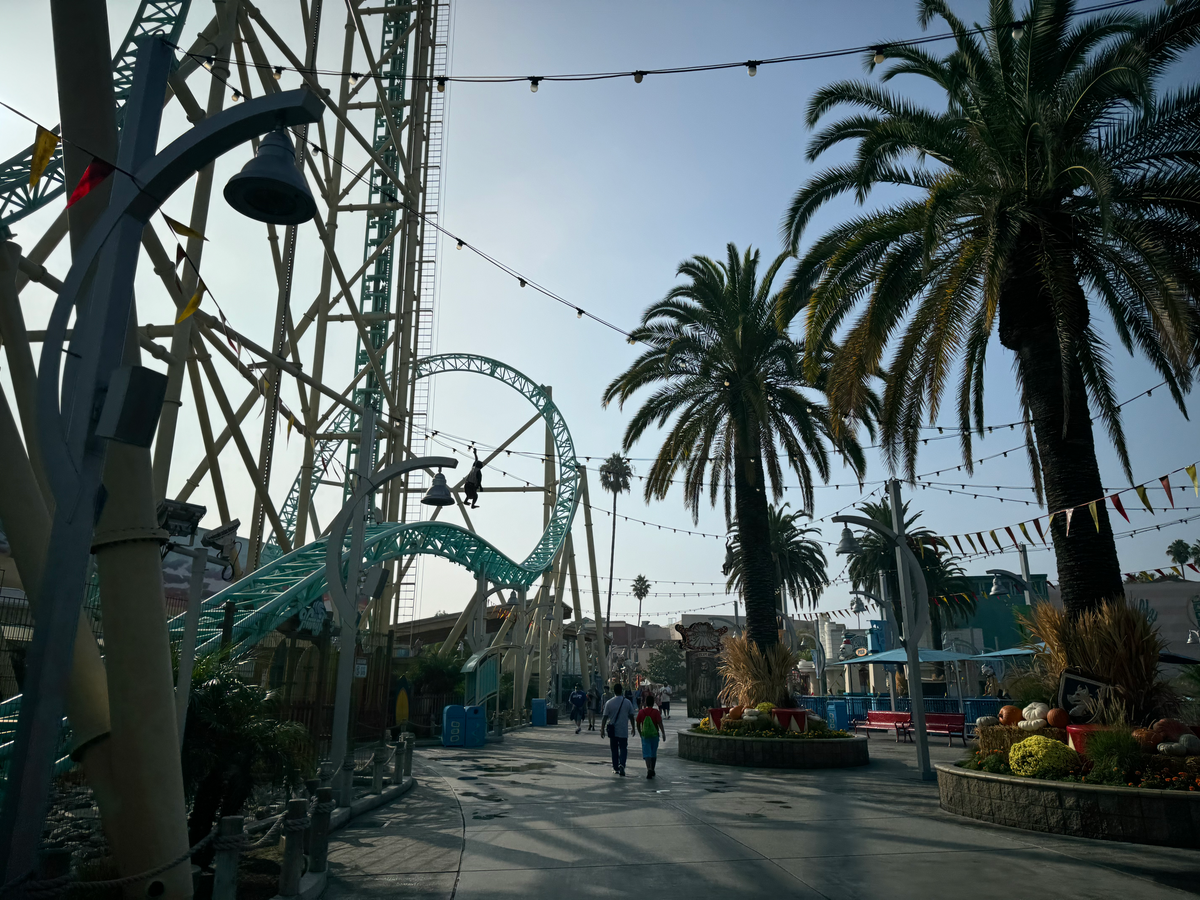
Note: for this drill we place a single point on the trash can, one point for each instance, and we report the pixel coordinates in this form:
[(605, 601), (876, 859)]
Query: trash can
[(454, 726), (551, 715), (475, 729), (538, 717), (838, 714)]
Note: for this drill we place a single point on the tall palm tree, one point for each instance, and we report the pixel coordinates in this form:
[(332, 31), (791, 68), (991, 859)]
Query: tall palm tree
[(1180, 552), (641, 589), (729, 382), (1058, 180), (615, 473), (799, 561)]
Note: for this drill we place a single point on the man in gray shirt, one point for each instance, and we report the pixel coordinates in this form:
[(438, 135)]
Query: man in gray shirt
[(617, 714)]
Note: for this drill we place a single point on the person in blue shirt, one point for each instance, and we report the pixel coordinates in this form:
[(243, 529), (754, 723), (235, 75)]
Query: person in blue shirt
[(578, 701)]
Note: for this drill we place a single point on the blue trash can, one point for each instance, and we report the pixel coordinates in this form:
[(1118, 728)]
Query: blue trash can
[(475, 731), (838, 714), (538, 717), (454, 726)]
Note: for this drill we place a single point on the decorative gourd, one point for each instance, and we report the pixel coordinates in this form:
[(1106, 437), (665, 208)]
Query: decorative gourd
[(984, 721), (1058, 718), (1032, 724), (1148, 739), (1172, 728), (1172, 748), (1010, 715), (1190, 743), (736, 713), (1035, 710)]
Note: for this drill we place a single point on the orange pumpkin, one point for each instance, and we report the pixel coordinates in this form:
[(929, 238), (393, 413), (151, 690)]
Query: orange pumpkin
[(736, 713), (1148, 739), (1010, 715), (1058, 718)]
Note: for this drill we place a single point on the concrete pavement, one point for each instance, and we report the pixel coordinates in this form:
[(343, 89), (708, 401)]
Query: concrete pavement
[(541, 816)]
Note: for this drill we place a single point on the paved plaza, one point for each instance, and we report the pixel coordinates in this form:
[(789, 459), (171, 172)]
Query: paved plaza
[(541, 816)]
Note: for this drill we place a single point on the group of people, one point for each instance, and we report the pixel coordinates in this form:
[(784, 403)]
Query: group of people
[(621, 713)]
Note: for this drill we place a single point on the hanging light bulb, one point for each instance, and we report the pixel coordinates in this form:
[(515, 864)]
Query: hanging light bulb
[(208, 63), (638, 76), (278, 73), (578, 313), (848, 545), (1018, 31), (521, 281), (533, 84), (237, 95), (631, 340), (880, 56), (352, 78), (752, 67), (441, 85), (726, 382), (459, 246)]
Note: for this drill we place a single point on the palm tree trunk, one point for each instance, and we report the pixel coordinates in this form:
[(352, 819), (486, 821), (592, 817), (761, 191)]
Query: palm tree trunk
[(1088, 568), (612, 553), (758, 568)]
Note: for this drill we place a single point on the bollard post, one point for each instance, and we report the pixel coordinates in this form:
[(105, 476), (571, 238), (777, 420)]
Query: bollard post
[(228, 846), (378, 766), (345, 781), (325, 773), (319, 834), (410, 744), (295, 821), (398, 761)]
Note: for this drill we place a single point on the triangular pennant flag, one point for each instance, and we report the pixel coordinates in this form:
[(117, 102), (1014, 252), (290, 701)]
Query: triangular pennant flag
[(1116, 502), (959, 543), (999, 546), (44, 144), (1191, 470), (1037, 526), (1193, 567), (979, 534), (1161, 573), (1128, 576), (1165, 481), (291, 422), (1141, 492), (1175, 569), (1069, 513), (93, 175), (1012, 537), (971, 542), (193, 304), (180, 254), (1095, 514), (180, 228), (1025, 532)]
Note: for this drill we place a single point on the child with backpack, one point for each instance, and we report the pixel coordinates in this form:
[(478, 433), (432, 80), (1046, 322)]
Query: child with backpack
[(650, 727)]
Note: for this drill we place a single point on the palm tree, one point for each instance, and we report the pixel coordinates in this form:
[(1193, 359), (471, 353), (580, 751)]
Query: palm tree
[(798, 560), (730, 379), (1180, 552), (614, 478), (1057, 181), (641, 588)]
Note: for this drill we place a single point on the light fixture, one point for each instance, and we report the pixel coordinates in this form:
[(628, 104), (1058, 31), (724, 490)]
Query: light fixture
[(180, 519), (459, 246), (848, 545), (1018, 30), (1193, 637), (521, 281), (578, 313), (880, 56), (208, 63), (237, 95), (438, 493), (533, 83), (638, 76), (352, 78), (441, 85), (999, 587), (270, 188), (631, 340), (278, 73), (752, 67)]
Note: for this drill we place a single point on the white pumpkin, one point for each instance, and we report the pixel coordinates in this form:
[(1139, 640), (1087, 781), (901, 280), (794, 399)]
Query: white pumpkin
[(1172, 748), (1035, 710), (984, 721), (1032, 724), (1191, 743)]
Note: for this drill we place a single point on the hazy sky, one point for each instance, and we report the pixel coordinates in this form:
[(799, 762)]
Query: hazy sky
[(598, 191)]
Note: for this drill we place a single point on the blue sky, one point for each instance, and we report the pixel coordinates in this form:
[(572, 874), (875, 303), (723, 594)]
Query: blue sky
[(598, 190)]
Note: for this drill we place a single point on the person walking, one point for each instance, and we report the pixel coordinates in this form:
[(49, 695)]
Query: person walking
[(618, 717), (578, 700), (664, 700), (650, 727), (593, 707)]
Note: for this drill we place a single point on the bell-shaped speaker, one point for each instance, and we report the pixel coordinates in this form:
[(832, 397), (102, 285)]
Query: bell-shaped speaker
[(438, 493), (270, 188)]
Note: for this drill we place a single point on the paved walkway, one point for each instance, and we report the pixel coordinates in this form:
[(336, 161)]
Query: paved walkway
[(541, 816)]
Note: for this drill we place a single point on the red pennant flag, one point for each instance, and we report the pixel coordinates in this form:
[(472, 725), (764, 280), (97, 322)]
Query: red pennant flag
[(1161, 573), (979, 534), (1037, 526), (93, 175), (1128, 576), (1116, 502), (1193, 567), (180, 254), (958, 543), (1166, 483), (1011, 536)]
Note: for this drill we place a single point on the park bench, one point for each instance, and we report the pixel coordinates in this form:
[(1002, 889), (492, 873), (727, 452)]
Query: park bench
[(879, 720), (950, 724)]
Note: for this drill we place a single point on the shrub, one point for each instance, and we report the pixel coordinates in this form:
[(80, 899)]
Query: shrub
[(1042, 757), (765, 708), (750, 674), (1115, 756)]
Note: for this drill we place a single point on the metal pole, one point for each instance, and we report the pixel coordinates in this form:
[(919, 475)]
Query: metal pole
[(187, 645), (889, 624), (1022, 552), (912, 636)]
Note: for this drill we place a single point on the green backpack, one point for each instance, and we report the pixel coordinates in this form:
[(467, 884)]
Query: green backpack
[(649, 728)]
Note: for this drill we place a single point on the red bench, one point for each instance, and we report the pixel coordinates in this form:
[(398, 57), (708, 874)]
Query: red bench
[(951, 724), (877, 720)]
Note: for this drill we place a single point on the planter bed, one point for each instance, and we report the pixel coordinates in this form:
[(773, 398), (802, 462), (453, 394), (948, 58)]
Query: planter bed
[(1135, 815), (774, 753)]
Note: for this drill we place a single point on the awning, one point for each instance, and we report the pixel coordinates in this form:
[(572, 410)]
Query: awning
[(924, 654)]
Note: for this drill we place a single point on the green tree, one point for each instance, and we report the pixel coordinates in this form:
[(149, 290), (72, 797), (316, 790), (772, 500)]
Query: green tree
[(1058, 180), (731, 381), (1179, 552), (798, 560), (666, 665), (641, 589), (615, 473)]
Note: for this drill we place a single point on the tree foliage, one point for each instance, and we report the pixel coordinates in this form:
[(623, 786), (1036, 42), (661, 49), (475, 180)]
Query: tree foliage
[(666, 664), (798, 559)]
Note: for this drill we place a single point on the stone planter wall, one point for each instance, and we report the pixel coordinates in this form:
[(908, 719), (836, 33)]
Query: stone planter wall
[(774, 753), (1136, 815)]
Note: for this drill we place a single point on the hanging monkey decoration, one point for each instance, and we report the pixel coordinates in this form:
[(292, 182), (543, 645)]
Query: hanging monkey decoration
[(473, 483)]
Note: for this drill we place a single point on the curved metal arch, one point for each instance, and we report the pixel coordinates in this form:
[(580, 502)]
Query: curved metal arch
[(567, 488)]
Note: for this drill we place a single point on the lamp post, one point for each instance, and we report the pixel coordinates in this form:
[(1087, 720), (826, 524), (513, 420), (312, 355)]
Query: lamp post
[(102, 401), (916, 610), (1022, 581)]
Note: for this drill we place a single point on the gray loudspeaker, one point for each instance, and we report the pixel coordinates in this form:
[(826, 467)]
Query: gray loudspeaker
[(132, 406)]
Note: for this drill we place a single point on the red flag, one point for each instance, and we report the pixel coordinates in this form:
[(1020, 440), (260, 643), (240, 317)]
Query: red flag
[(1161, 573), (1011, 537), (1037, 524), (93, 175), (958, 543), (1193, 567), (1166, 483), (1116, 502), (180, 254)]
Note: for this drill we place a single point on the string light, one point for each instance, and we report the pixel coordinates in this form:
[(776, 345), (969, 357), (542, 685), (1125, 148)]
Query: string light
[(352, 78), (638, 76), (1018, 31), (237, 95), (533, 84), (752, 67), (441, 85), (459, 245), (879, 57), (278, 73)]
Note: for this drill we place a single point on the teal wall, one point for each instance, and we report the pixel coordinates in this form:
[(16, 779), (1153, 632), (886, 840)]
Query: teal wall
[(996, 616)]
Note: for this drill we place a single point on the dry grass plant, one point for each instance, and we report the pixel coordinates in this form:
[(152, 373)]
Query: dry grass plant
[(1114, 643), (753, 677)]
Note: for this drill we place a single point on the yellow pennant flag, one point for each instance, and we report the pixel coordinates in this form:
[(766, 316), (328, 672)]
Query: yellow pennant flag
[(1024, 532), (1191, 470), (1095, 514), (193, 304), (44, 145), (1141, 492), (997, 540), (180, 228)]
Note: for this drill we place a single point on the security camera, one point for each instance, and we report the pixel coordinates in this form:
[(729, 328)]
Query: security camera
[(220, 538)]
